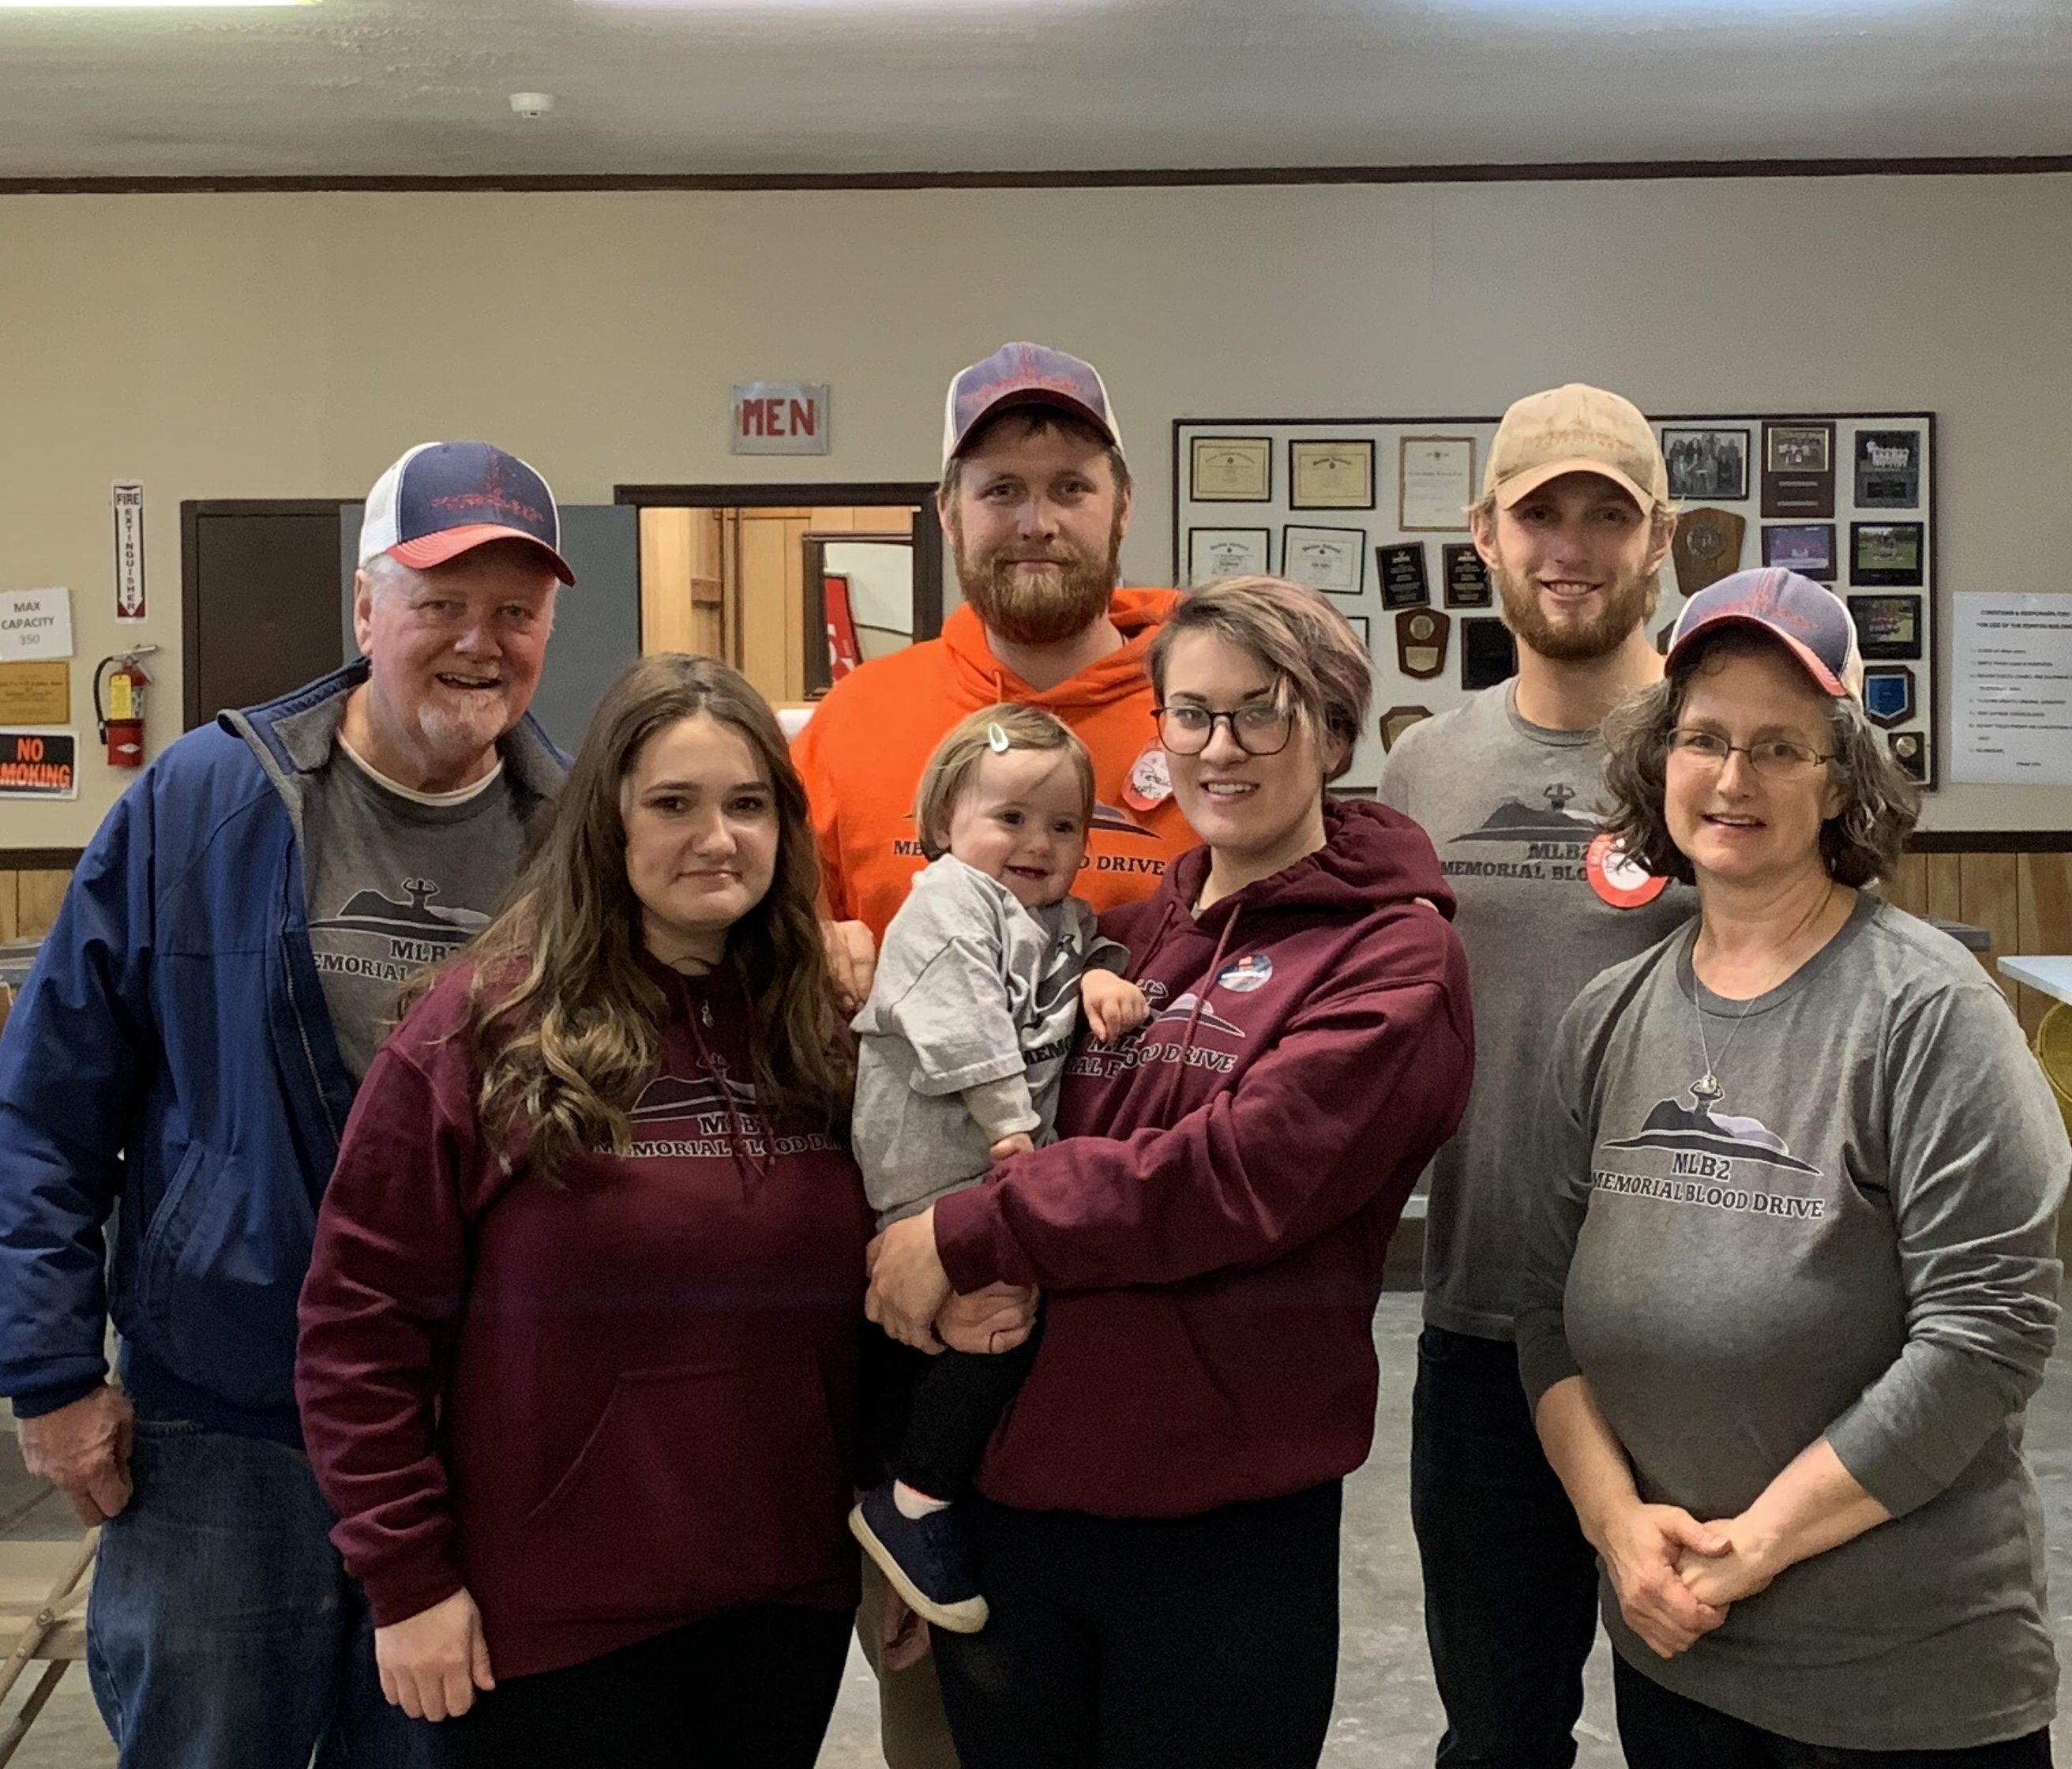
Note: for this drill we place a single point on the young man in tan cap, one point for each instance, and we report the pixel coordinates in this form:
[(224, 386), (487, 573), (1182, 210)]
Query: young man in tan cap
[(1574, 524)]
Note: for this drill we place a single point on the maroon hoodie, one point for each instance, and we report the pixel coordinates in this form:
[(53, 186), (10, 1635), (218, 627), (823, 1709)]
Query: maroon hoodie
[(1210, 1232), (607, 1409)]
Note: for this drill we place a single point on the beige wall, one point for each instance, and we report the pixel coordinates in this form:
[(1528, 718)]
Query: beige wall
[(289, 346)]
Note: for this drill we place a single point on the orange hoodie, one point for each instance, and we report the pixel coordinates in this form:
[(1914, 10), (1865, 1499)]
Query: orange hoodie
[(861, 754)]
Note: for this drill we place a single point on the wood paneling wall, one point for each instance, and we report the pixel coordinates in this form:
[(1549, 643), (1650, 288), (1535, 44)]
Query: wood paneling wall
[(29, 902), (2023, 900)]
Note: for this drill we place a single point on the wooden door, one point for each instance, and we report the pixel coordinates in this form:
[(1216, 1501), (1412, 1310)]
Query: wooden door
[(258, 600)]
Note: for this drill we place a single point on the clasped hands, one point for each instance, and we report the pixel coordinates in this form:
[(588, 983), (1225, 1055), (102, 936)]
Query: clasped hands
[(1676, 1578), (911, 1298)]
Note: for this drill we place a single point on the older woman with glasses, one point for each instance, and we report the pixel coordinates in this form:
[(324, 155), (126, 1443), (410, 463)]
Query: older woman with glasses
[(1792, 1280), (1157, 1532)]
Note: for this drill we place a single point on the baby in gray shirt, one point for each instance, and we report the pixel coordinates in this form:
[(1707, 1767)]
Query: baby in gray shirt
[(961, 1053)]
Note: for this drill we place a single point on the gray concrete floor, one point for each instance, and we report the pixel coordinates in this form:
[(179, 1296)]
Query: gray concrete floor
[(1387, 1717)]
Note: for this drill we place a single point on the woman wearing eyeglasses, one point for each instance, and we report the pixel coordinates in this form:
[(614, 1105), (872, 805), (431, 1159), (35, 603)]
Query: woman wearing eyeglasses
[(1793, 1278), (1157, 1534)]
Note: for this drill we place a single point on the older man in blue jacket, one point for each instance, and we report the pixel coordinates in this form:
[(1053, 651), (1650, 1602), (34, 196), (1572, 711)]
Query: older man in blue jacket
[(225, 963)]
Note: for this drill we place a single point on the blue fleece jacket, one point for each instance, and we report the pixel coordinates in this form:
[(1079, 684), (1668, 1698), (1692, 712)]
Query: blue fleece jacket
[(171, 1063)]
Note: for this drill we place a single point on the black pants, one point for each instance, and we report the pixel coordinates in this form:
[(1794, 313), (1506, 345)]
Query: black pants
[(752, 1688), (1511, 1586), (957, 1402), (1194, 1643), (1661, 1730)]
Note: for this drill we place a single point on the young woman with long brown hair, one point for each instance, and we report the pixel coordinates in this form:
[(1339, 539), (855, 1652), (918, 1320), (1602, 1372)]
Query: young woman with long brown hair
[(579, 1336)]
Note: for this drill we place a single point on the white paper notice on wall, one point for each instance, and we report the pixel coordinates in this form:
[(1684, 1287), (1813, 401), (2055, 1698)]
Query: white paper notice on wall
[(36, 624), (2011, 702)]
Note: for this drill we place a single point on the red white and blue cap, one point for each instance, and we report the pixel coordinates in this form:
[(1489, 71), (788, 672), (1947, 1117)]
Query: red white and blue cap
[(1024, 375), (1807, 618), (443, 499)]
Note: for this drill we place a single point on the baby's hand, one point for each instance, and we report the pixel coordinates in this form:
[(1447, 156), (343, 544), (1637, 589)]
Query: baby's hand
[(1113, 1004), (1017, 1144)]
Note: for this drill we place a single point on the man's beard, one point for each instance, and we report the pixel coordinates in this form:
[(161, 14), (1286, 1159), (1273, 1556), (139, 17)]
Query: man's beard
[(1627, 603), (1046, 608)]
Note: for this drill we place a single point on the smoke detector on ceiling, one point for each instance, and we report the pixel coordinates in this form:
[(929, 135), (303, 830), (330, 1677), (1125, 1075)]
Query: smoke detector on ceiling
[(532, 104)]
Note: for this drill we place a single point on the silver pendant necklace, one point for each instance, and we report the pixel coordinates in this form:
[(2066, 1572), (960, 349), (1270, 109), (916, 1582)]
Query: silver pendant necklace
[(1706, 1092)]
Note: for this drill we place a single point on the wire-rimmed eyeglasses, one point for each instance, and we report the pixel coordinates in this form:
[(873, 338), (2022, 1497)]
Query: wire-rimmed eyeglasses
[(1778, 757)]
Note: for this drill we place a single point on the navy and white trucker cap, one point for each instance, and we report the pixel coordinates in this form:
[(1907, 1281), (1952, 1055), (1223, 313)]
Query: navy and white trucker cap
[(441, 499)]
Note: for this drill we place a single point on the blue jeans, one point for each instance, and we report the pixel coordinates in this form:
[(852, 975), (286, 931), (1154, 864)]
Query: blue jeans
[(223, 1632), (1511, 1586)]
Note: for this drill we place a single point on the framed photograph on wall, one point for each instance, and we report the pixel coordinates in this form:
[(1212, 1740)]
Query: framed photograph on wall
[(1889, 629), (1798, 469), (1888, 469), (1885, 553), (1807, 548), (1328, 473), (1231, 469), (1327, 559), (1712, 464), (1229, 552)]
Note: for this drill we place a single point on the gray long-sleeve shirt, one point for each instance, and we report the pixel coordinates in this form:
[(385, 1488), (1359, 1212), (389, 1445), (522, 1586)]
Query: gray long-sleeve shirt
[(1856, 1241), (964, 1037)]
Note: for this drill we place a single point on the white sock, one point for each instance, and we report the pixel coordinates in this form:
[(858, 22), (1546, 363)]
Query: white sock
[(914, 1505)]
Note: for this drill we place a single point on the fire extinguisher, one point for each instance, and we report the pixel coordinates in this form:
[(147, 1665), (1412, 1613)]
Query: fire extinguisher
[(122, 723)]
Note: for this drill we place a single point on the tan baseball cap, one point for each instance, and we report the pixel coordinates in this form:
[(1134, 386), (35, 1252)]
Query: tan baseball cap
[(1576, 429)]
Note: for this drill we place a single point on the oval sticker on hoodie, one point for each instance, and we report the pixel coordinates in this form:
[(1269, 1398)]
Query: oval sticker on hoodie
[(1249, 973), (1150, 781), (1622, 881)]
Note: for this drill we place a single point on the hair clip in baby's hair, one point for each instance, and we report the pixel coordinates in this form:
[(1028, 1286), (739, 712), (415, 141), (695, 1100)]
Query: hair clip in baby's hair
[(996, 739)]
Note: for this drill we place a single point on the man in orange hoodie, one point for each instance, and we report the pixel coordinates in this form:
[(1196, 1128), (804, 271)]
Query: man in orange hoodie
[(1034, 499)]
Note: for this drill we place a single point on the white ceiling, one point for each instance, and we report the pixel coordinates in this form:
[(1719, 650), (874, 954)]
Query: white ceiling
[(405, 88)]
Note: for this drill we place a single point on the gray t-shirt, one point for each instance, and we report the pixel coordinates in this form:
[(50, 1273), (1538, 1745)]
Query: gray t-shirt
[(965, 1037), (393, 884), (1511, 807), (1855, 1239)]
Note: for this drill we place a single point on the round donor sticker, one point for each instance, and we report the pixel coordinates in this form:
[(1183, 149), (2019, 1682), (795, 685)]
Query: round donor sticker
[(1622, 882), (1249, 973), (1149, 782)]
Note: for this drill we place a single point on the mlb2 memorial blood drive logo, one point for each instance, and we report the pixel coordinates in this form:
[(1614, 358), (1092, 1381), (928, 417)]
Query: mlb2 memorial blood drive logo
[(1550, 844), (39, 764)]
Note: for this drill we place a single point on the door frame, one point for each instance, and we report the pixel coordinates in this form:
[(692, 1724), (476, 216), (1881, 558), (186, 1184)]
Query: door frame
[(878, 494), (192, 510)]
